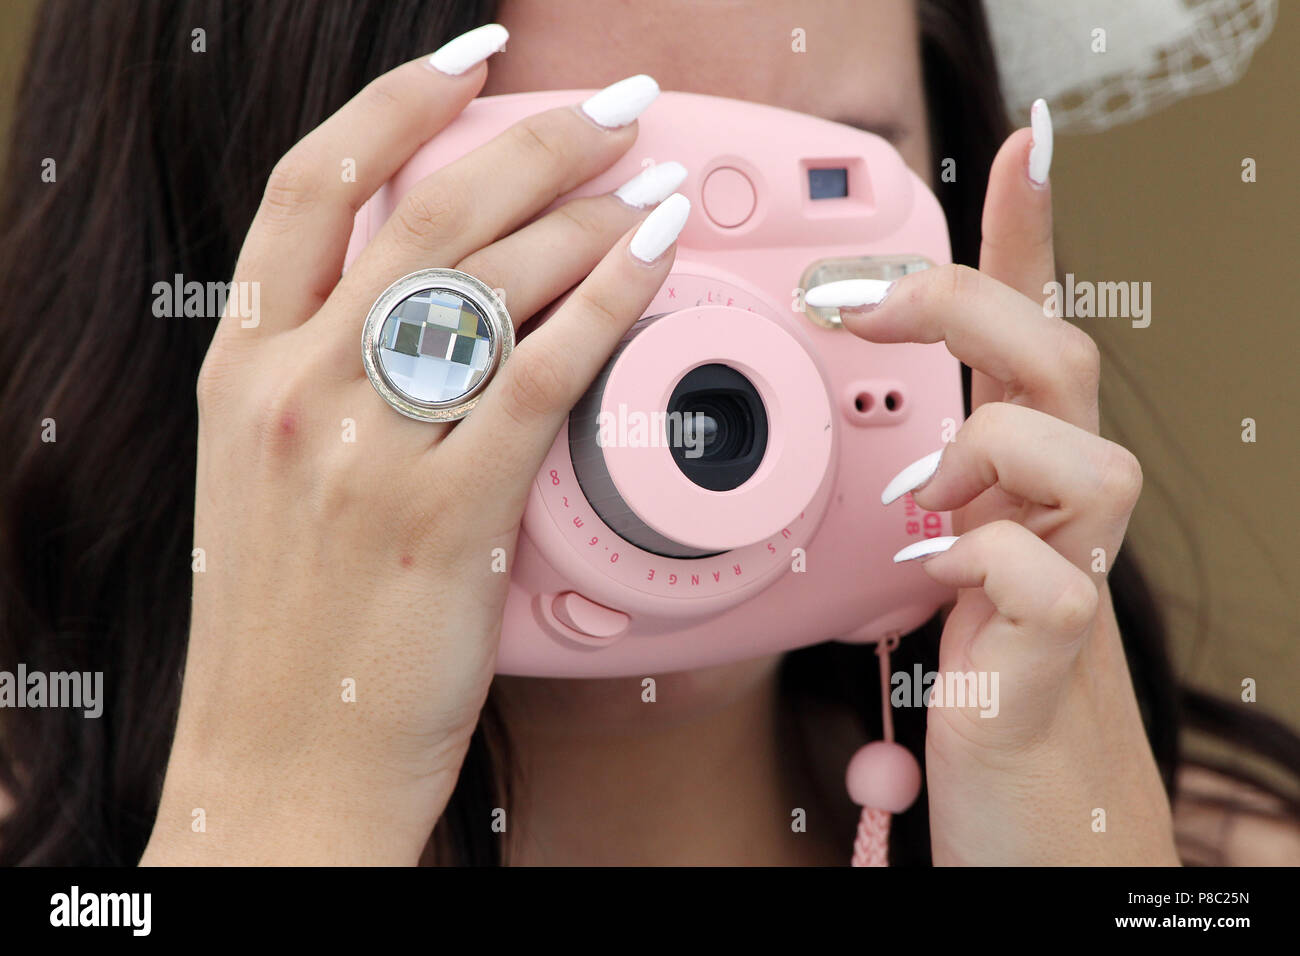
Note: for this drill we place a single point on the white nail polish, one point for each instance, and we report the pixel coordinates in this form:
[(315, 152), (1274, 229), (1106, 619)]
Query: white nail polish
[(911, 478), (652, 185), (469, 49), (1040, 153), (661, 228), (847, 293), (924, 549), (622, 102)]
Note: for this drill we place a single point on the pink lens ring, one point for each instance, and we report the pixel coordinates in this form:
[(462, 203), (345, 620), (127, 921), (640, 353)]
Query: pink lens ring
[(800, 435)]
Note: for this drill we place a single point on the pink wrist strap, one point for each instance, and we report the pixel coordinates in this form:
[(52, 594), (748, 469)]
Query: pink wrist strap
[(871, 847), (883, 778)]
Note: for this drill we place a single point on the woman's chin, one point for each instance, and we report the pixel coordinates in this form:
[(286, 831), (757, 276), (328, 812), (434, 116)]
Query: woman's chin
[(629, 706)]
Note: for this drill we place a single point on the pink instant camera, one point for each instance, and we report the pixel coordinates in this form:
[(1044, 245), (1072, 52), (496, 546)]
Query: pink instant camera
[(716, 494)]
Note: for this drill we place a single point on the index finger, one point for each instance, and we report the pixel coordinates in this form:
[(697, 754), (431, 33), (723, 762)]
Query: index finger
[(1022, 355), (1016, 231)]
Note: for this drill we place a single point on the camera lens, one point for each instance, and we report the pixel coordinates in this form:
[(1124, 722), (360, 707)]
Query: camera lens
[(680, 399), (717, 427)]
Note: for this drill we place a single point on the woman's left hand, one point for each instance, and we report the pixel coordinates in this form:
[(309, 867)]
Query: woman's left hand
[(1063, 773)]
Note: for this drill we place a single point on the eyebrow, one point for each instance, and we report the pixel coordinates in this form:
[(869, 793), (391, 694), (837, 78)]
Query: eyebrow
[(892, 132)]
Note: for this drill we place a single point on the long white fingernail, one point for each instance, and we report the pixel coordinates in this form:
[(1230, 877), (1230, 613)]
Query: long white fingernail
[(661, 228), (469, 49), (848, 294), (1040, 153), (912, 477), (620, 103), (924, 549), (652, 185)]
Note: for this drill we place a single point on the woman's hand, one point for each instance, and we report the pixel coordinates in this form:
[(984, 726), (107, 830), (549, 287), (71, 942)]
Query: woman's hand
[(348, 546), (1040, 503)]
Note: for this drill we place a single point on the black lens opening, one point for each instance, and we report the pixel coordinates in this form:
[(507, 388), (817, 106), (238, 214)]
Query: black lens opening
[(717, 427)]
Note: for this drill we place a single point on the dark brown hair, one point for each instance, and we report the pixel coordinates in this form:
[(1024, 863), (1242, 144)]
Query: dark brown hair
[(161, 155)]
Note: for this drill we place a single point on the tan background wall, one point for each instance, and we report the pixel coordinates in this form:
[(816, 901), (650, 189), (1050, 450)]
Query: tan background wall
[(1162, 201), (15, 23)]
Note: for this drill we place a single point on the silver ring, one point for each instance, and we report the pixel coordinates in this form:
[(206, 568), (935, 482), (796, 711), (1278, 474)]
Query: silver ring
[(432, 342)]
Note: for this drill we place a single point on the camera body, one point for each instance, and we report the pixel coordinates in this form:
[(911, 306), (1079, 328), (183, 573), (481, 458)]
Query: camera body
[(716, 494)]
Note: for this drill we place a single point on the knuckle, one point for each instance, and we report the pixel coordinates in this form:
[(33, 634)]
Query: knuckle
[(424, 216), (958, 282), (490, 267), (1080, 358), (537, 138), (1075, 606), (1002, 536), (335, 495), (382, 94), (291, 187), (991, 417), (582, 214), (1120, 479), (988, 432), (596, 312), (208, 385), (538, 385), (277, 417), (216, 378)]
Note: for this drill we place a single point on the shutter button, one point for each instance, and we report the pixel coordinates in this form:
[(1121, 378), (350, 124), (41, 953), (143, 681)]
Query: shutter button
[(728, 197)]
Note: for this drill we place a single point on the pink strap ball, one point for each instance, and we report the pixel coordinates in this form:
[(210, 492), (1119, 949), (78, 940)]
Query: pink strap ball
[(884, 776)]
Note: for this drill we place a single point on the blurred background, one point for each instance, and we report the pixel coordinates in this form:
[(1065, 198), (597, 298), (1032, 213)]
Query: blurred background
[(1162, 201)]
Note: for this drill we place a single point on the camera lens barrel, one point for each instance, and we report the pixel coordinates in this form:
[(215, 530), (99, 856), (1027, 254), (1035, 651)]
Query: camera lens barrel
[(709, 429)]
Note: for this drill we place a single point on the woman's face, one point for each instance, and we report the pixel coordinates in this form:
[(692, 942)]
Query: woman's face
[(860, 62), (861, 67)]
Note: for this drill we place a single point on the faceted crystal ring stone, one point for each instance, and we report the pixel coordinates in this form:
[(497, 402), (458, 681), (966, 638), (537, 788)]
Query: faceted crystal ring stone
[(432, 342)]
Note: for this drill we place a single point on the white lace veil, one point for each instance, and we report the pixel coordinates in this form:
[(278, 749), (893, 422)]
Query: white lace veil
[(1099, 63)]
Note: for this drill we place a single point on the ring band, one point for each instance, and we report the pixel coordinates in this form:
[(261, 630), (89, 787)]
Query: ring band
[(432, 342)]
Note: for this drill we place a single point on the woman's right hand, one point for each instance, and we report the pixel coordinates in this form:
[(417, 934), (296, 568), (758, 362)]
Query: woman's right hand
[(332, 563)]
